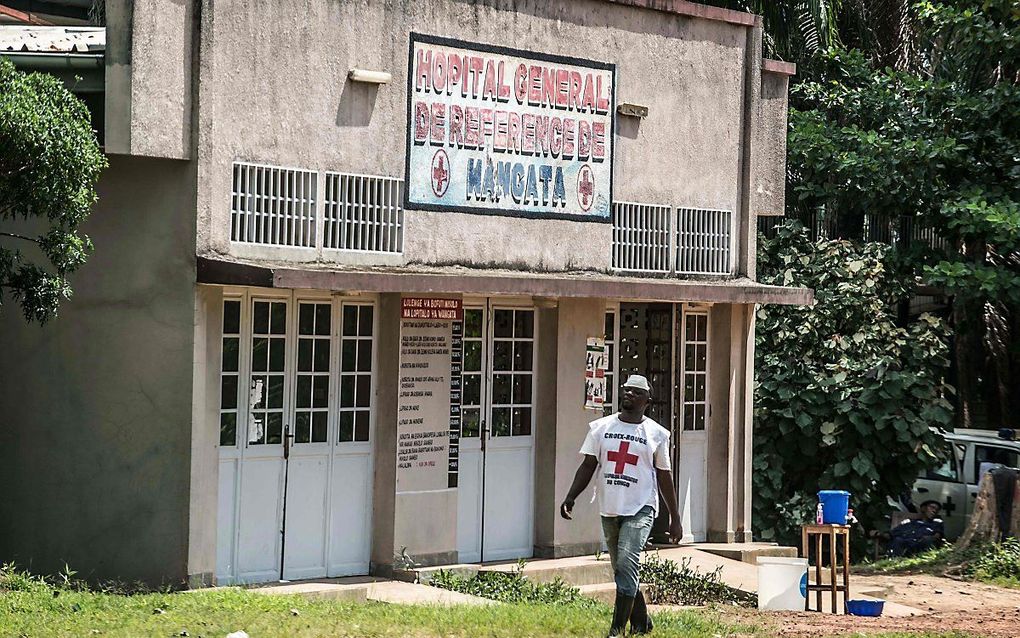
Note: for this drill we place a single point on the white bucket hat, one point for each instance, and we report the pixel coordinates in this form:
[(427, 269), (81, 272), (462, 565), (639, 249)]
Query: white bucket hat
[(637, 381)]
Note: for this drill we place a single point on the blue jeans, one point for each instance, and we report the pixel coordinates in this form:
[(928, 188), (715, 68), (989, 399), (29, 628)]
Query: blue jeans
[(626, 537)]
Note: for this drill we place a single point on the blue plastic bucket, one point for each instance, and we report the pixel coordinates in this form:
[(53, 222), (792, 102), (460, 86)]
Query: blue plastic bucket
[(834, 506), (865, 607)]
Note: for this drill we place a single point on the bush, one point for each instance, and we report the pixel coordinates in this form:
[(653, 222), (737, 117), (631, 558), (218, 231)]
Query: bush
[(998, 562), (512, 587), (672, 584), (846, 398)]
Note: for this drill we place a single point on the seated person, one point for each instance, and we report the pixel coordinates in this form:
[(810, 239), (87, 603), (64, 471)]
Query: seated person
[(919, 533)]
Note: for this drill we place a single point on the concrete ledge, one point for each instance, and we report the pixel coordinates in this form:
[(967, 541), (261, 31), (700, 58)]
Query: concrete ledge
[(605, 592), (778, 67), (336, 589), (577, 571), (567, 551), (747, 552), (693, 10), (425, 574), (401, 593), (471, 281)]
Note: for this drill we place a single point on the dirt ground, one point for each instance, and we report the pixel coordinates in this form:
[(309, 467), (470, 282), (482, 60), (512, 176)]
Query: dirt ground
[(943, 604)]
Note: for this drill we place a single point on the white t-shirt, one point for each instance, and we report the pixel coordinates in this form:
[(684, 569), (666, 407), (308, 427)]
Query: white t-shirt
[(628, 454)]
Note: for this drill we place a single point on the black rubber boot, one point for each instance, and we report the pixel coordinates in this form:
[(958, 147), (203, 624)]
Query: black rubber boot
[(640, 621), (621, 613)]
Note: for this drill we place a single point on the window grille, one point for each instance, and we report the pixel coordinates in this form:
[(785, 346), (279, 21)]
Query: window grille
[(364, 213), (704, 242), (640, 237), (273, 205)]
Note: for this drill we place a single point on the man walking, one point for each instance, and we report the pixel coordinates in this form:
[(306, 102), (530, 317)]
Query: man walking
[(632, 453)]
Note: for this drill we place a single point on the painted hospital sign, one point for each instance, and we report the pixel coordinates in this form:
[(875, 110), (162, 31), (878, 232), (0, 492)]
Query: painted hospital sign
[(502, 131)]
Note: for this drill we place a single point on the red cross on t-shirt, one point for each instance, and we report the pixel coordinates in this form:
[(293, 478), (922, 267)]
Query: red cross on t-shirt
[(622, 458)]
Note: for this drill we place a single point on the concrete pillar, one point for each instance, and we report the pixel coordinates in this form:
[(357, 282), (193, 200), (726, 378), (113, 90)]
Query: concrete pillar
[(546, 503), (720, 505), (743, 527), (577, 319), (205, 437), (729, 436), (385, 448)]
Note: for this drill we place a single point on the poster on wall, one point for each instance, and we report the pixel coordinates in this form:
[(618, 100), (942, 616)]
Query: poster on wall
[(502, 131), (428, 404), (596, 364)]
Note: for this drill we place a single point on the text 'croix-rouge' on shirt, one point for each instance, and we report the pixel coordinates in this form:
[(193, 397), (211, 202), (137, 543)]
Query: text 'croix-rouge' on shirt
[(628, 455)]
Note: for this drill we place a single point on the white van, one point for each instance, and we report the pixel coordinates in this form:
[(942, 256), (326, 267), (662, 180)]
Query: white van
[(954, 484)]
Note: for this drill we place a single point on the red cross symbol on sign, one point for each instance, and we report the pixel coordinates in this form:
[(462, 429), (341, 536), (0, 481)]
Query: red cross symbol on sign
[(440, 173), (585, 187), (622, 458)]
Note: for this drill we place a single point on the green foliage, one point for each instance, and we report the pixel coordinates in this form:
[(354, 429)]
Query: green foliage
[(48, 172), (513, 587), (672, 584), (845, 398), (999, 563), (939, 147)]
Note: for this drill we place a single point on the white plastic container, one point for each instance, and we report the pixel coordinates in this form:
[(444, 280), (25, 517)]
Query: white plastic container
[(782, 583)]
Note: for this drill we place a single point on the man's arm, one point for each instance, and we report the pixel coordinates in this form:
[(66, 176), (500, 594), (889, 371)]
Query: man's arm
[(665, 480), (581, 479)]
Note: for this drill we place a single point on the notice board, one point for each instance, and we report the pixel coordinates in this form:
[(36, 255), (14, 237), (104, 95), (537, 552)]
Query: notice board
[(428, 405)]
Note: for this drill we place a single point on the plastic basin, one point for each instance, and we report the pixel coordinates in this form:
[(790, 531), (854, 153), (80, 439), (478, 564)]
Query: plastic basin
[(865, 607)]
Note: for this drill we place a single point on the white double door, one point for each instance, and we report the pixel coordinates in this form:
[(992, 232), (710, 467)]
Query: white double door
[(295, 449), (495, 517)]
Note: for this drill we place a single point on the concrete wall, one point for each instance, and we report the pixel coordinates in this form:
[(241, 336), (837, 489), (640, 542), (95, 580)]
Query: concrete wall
[(149, 77), (95, 430), (275, 91), (768, 160), (560, 437), (205, 436)]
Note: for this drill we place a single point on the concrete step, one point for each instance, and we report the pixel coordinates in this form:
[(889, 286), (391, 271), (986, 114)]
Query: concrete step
[(748, 552), (398, 592), (352, 589), (576, 571), (424, 574), (604, 592)]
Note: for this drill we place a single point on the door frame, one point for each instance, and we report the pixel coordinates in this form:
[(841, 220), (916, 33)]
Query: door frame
[(239, 452), (685, 310), (680, 310), (488, 305)]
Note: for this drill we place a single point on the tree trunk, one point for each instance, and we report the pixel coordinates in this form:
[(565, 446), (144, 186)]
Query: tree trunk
[(996, 511)]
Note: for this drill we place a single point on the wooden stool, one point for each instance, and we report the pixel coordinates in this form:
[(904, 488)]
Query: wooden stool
[(832, 532)]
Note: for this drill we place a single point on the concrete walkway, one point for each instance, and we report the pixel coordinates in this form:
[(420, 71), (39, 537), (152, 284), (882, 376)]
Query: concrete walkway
[(365, 588), (736, 564)]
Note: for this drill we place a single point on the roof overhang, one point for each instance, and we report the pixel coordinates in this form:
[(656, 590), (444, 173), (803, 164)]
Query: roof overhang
[(470, 281)]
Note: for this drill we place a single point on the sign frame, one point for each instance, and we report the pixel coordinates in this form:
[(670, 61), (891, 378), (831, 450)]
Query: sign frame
[(425, 38)]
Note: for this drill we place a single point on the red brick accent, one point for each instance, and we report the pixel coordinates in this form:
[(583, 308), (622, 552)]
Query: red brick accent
[(693, 9)]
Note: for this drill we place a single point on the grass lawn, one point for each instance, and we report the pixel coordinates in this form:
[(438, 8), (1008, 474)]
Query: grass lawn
[(30, 607), (217, 613)]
